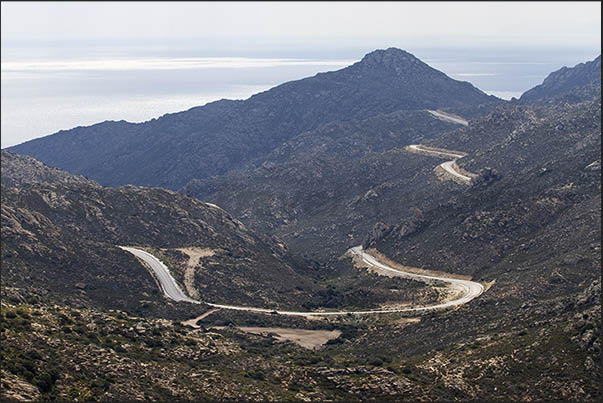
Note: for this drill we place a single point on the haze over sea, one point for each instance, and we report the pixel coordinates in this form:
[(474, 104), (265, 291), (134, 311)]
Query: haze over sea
[(49, 88)]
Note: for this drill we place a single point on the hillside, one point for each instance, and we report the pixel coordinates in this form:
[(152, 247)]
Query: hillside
[(61, 232), (323, 190), (566, 80), (534, 218), (223, 135), (60, 235), (526, 225), (65, 353)]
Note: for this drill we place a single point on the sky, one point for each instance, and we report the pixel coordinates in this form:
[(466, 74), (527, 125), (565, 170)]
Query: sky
[(436, 23)]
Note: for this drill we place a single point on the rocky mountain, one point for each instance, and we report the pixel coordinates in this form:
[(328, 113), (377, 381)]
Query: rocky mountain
[(567, 79), (323, 190), (526, 226), (223, 135), (60, 234)]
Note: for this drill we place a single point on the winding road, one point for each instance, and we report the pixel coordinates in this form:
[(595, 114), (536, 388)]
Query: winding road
[(448, 166), (449, 117), (162, 274), (470, 289)]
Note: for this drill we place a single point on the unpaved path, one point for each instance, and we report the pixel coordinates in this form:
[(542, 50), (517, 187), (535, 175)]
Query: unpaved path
[(193, 322), (194, 256), (310, 339)]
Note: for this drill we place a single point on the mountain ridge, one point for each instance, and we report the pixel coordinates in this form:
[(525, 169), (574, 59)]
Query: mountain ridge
[(566, 79), (61, 230), (223, 135), (527, 227)]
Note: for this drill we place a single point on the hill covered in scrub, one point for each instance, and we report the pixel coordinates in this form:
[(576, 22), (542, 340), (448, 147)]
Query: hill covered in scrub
[(527, 226), (61, 232), (534, 216), (321, 189), (223, 135), (566, 81), (59, 352), (60, 235)]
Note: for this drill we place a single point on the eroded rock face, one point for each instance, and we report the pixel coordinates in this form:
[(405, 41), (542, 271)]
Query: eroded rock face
[(413, 224), (16, 388), (20, 170)]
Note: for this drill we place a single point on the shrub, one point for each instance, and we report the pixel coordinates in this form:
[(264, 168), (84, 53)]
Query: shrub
[(46, 380)]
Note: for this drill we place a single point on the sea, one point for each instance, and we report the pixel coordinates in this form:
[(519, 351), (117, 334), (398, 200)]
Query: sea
[(52, 87)]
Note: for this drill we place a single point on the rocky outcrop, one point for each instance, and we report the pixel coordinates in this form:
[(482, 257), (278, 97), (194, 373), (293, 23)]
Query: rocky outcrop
[(379, 231), (413, 224)]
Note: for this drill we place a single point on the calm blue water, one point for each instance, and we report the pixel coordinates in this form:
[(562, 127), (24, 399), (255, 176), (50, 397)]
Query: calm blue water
[(46, 89)]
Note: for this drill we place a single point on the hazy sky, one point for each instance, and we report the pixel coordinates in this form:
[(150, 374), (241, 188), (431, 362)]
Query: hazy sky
[(445, 23)]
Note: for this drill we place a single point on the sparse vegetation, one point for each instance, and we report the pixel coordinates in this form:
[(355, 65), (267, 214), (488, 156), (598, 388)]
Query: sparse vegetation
[(83, 320)]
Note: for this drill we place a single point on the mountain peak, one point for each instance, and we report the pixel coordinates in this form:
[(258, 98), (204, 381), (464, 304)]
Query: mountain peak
[(383, 82), (392, 58)]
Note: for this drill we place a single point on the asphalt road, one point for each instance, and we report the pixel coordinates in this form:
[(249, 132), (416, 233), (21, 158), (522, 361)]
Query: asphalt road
[(162, 274), (448, 166), (470, 289), (449, 117)]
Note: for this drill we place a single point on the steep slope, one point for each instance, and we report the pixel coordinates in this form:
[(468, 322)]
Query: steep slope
[(533, 221), (60, 234), (324, 189), (567, 79), (220, 136)]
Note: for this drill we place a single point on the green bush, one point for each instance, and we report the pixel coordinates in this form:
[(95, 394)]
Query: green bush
[(376, 362), (257, 374), (406, 370), (46, 380)]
